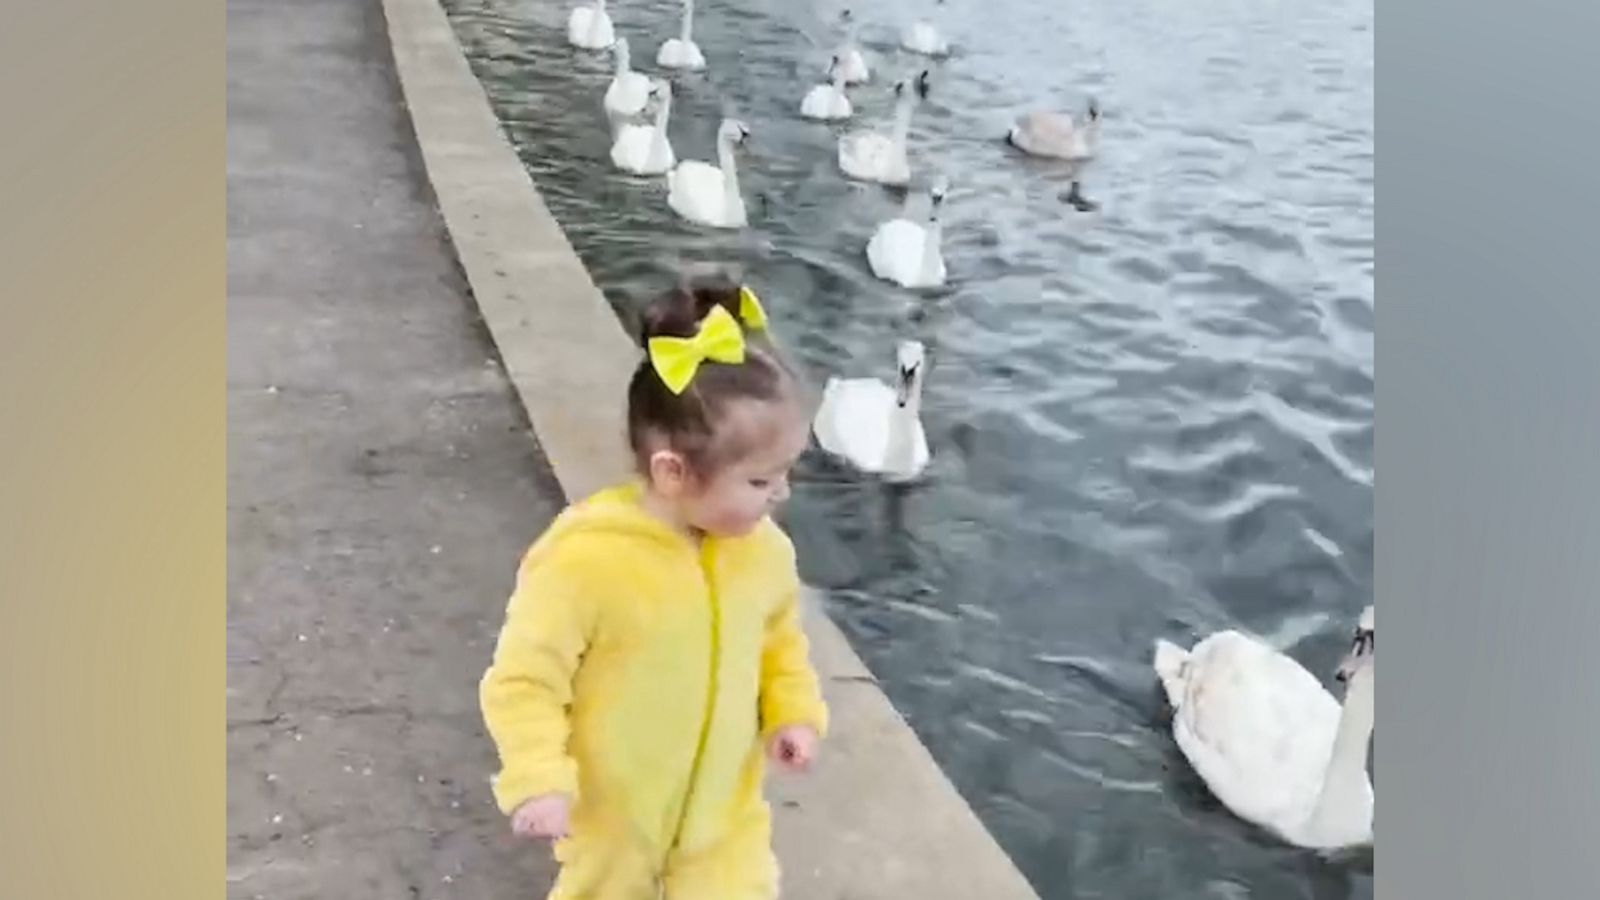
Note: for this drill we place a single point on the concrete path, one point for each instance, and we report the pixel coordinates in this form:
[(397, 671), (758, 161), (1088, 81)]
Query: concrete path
[(382, 483)]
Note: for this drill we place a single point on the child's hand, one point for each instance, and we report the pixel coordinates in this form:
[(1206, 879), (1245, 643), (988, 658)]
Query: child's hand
[(542, 818), (793, 747)]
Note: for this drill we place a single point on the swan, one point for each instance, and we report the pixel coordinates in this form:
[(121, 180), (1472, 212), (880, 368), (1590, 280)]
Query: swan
[(922, 37), (852, 65), (707, 194), (682, 52), (828, 101), (876, 156), (907, 252), (644, 149), (1270, 742), (1057, 136), (589, 27), (629, 90), (875, 427)]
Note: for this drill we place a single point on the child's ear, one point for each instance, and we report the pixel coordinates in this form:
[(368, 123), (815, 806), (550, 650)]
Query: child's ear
[(669, 473)]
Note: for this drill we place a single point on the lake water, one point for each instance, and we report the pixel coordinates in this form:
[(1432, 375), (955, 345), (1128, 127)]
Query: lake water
[(1151, 420)]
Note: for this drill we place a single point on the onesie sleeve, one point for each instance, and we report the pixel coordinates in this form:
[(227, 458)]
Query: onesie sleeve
[(527, 691), (790, 692)]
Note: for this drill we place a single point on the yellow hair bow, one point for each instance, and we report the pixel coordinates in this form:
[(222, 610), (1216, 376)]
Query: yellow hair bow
[(750, 311), (677, 359)]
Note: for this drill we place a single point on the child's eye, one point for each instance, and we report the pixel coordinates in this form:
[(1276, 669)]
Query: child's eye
[(761, 483)]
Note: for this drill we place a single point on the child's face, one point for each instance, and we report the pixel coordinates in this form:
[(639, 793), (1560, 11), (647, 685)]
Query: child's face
[(743, 491)]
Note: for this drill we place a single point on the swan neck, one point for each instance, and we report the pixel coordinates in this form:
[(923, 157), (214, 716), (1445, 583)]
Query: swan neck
[(624, 65), (663, 113), (1344, 782), (596, 20), (730, 173), (900, 455), (688, 20), (902, 117)]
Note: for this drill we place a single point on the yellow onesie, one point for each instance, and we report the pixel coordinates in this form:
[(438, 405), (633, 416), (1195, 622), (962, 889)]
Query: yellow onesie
[(642, 674)]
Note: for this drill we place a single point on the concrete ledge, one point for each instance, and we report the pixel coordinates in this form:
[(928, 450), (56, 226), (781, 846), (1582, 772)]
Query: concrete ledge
[(877, 819)]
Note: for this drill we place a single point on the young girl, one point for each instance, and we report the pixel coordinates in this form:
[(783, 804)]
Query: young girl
[(652, 649)]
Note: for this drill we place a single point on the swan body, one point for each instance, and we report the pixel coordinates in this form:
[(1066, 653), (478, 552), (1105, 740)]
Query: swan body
[(874, 427), (907, 252), (827, 102), (1272, 744), (629, 91), (852, 64), (645, 149), (589, 27), (1057, 135), (682, 52), (879, 156), (923, 38), (707, 194)]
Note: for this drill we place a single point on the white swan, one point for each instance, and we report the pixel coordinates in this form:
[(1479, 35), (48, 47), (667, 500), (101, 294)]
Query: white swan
[(852, 65), (644, 149), (589, 27), (828, 102), (707, 194), (682, 52), (1270, 742), (875, 427), (922, 37), (907, 252), (1058, 136), (876, 156), (629, 90)]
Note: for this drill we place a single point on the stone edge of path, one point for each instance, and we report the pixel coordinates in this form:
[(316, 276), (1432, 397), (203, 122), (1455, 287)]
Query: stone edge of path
[(877, 818)]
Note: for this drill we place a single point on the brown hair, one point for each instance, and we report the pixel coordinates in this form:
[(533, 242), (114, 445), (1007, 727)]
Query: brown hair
[(688, 422)]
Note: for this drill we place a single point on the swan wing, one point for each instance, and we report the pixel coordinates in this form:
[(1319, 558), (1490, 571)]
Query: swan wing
[(631, 147), (628, 94), (867, 155), (695, 190), (578, 23), (677, 53), (1257, 727), (590, 28), (1046, 134), (853, 420), (815, 104), (895, 250), (636, 150), (824, 101), (853, 66)]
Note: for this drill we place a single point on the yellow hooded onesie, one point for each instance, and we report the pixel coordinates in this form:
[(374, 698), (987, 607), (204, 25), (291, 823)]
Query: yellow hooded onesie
[(641, 674)]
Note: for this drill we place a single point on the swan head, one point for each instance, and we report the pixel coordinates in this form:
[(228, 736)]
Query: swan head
[(920, 83), (734, 132), (846, 16), (911, 357), (1094, 110), (938, 190), (1363, 650)]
